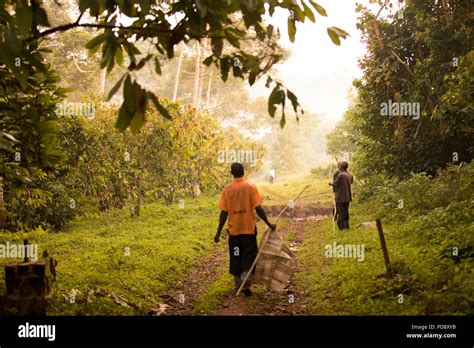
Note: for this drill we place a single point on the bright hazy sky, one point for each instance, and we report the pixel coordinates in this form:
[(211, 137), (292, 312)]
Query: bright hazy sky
[(319, 72)]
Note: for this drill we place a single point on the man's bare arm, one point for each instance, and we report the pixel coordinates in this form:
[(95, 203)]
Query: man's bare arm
[(262, 215), (222, 220)]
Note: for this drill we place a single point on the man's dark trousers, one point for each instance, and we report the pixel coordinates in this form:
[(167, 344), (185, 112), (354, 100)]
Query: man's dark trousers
[(342, 209)]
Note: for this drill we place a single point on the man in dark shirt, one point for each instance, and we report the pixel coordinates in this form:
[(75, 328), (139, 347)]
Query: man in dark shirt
[(343, 195), (334, 212), (335, 175)]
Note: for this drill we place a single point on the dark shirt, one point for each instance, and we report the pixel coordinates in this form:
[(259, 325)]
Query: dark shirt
[(342, 185), (334, 179)]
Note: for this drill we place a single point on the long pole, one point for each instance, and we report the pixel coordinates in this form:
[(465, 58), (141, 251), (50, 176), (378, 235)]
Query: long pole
[(264, 241), (335, 206)]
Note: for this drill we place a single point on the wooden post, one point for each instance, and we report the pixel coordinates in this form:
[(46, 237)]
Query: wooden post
[(25, 248), (384, 248)]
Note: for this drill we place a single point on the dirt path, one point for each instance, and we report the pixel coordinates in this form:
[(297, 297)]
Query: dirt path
[(181, 299), (294, 300)]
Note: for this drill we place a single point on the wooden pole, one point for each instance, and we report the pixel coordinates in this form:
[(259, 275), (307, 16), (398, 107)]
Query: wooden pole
[(25, 248), (264, 240), (384, 248), (335, 205)]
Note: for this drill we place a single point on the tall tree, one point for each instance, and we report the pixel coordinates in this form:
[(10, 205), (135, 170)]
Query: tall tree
[(417, 59), (197, 75), (178, 73)]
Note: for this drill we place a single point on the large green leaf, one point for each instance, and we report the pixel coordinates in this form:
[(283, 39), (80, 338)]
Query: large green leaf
[(96, 41), (274, 99), (319, 9), (291, 29), (161, 109), (123, 119), (115, 88), (335, 33)]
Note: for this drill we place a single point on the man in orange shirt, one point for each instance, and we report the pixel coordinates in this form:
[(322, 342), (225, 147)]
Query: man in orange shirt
[(237, 203)]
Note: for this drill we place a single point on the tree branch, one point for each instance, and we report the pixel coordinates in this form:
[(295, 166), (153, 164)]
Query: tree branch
[(76, 24), (405, 65), (379, 39)]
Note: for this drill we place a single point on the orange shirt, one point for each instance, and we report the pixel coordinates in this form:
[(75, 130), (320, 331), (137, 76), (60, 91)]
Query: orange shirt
[(239, 199)]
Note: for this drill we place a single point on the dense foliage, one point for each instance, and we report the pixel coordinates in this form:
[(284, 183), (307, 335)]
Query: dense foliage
[(103, 168), (429, 233), (419, 55), (432, 217)]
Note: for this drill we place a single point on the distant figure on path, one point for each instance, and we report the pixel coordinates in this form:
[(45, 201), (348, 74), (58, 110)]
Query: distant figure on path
[(343, 195), (272, 175), (238, 201)]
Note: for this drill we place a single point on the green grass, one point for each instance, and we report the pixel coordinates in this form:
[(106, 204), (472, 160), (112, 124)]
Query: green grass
[(164, 242), (214, 293), (319, 193), (428, 284)]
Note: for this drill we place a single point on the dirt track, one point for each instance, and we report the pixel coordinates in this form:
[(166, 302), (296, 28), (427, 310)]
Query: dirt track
[(293, 300), (300, 211)]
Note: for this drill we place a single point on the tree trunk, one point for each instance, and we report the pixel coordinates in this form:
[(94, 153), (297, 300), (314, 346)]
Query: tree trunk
[(178, 73), (203, 71), (201, 83), (209, 86), (102, 81), (197, 75)]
